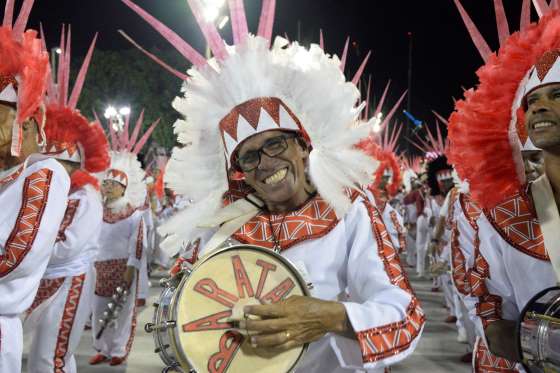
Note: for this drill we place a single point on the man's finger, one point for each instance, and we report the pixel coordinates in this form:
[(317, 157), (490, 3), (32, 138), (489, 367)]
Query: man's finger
[(270, 340), (266, 310), (292, 343), (267, 325)]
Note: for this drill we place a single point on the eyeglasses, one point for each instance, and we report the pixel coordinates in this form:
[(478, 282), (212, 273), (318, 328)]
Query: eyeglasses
[(272, 147)]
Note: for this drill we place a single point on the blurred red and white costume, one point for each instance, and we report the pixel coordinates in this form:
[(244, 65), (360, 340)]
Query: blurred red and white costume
[(510, 261), (56, 319), (33, 195), (337, 236), (122, 241)]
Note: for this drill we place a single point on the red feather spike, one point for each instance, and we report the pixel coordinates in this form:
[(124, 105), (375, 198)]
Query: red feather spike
[(136, 130), (525, 15), (145, 137), (80, 79), (383, 97), (321, 40), (9, 14), (501, 21), (360, 71), (344, 56), (476, 36), (542, 7), (23, 18), (393, 110)]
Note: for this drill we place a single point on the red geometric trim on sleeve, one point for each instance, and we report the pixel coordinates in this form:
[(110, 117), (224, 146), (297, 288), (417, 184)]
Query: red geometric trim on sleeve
[(516, 221), (140, 240), (69, 214), (34, 200), (451, 208), (486, 362), (67, 322), (47, 288), (391, 339), (458, 264), (400, 231), (470, 209)]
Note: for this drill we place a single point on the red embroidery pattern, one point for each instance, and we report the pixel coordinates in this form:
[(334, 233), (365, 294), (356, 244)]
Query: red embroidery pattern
[(517, 223), (11, 177), (47, 288), (133, 322), (111, 217), (486, 362), (315, 219), (400, 231), (71, 209), (140, 240), (459, 267), (67, 322), (451, 208), (388, 340), (470, 209), (109, 276), (34, 200)]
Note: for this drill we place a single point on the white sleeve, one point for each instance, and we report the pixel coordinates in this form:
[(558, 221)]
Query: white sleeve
[(81, 223), (382, 308), (137, 241)]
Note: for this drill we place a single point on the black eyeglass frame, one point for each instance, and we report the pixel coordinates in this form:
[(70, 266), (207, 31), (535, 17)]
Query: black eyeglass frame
[(262, 150)]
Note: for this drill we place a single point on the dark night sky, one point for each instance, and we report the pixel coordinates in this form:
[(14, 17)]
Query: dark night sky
[(444, 56)]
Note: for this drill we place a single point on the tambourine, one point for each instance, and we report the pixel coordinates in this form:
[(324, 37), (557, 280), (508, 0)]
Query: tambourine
[(192, 323)]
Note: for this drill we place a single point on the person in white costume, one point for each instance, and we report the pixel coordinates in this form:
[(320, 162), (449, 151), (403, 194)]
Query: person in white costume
[(122, 245), (55, 321), (261, 129), (516, 256), (33, 188)]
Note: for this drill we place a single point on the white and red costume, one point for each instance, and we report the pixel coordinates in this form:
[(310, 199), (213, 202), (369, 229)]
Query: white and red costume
[(122, 242), (342, 242), (33, 195), (511, 261), (56, 319)]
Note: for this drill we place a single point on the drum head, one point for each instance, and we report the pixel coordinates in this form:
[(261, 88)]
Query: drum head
[(216, 291)]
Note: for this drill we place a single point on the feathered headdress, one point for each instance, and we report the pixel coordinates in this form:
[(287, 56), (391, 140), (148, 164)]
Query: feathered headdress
[(433, 146), (24, 68), (251, 87), (125, 167), (484, 129), (70, 136)]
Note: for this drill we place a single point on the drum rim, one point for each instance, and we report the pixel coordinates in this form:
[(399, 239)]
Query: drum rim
[(181, 356), (522, 317)]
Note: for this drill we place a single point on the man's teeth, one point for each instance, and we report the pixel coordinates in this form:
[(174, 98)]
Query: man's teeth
[(543, 125), (277, 177)]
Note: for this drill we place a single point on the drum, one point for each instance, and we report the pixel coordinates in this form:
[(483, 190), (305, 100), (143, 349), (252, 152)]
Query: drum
[(539, 332), (192, 328)]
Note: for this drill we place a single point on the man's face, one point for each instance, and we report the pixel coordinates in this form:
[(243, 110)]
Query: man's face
[(112, 190), (445, 185), (385, 180), (542, 117), (276, 179), (533, 161), (7, 117)]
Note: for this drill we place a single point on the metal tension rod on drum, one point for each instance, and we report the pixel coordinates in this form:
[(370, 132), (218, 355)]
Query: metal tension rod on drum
[(551, 319)]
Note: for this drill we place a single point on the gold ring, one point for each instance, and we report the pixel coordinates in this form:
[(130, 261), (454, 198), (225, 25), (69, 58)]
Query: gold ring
[(287, 335)]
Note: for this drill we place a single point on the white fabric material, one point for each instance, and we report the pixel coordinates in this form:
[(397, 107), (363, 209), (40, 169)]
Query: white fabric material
[(9, 94), (44, 324), (392, 228), (118, 240), (74, 255), (18, 288), (346, 261), (549, 219)]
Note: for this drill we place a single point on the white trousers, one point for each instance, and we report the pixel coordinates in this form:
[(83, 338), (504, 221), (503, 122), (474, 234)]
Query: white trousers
[(411, 248), (57, 326), (422, 238), (143, 280), (11, 344), (448, 293), (115, 341)]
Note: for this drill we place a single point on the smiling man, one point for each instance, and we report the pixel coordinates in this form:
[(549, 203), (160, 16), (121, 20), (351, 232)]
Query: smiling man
[(515, 256)]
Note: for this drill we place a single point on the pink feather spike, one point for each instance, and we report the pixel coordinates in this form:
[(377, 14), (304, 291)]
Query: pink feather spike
[(321, 40), (554, 4), (440, 117), (344, 56), (153, 57), (51, 86), (525, 14), (209, 31), (368, 96), (145, 138), (266, 22), (238, 21), (182, 46), (360, 71), (501, 21), (393, 110), (60, 67), (80, 79), (9, 14), (112, 134), (21, 22), (125, 140), (136, 130), (66, 76), (476, 36), (541, 6), (383, 97)]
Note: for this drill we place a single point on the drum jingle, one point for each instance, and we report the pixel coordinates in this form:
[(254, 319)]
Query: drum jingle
[(539, 332), (192, 323)]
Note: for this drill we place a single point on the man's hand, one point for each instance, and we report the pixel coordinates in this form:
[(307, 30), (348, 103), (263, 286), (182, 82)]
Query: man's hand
[(502, 340), (128, 276), (294, 322)]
